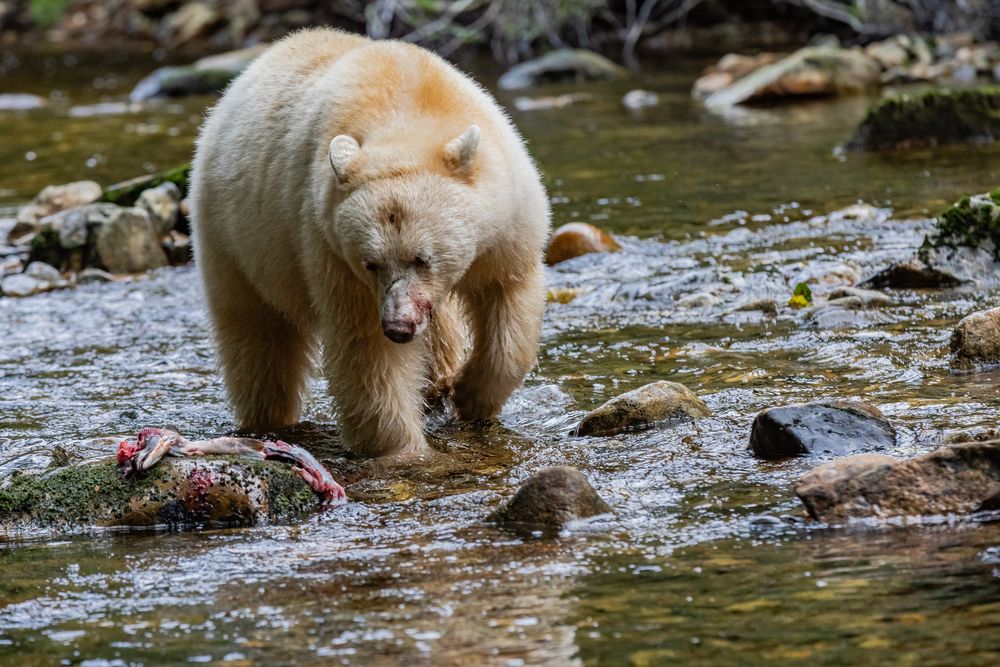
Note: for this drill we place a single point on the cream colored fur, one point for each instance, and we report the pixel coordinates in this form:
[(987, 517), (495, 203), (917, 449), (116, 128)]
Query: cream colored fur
[(345, 188)]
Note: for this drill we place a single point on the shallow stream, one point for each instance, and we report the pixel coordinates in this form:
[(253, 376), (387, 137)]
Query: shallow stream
[(707, 558)]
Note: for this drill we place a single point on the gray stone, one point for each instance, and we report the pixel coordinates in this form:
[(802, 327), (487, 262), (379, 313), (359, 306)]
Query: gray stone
[(128, 243), (640, 99), (55, 198), (822, 427), (21, 284), (975, 343), (643, 407), (551, 498), (162, 203), (44, 272), (207, 75), (958, 479), (74, 226), (561, 64), (866, 297), (93, 275)]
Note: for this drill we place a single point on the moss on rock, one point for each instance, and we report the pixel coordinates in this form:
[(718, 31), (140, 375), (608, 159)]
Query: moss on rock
[(127, 192), (970, 223), (929, 119), (177, 492)]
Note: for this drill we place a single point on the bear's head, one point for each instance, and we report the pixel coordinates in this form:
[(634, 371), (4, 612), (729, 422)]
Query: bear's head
[(405, 229)]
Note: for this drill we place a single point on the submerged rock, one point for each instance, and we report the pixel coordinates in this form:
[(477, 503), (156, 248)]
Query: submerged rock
[(560, 65), (809, 72), (177, 493), (975, 343), (929, 119), (640, 99), (823, 427), (643, 407), (128, 243), (93, 275), (578, 238), (865, 297), (911, 274), (21, 102), (551, 497), (959, 479)]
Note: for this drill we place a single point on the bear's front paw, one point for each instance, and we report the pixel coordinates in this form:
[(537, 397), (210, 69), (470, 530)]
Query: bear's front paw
[(473, 405)]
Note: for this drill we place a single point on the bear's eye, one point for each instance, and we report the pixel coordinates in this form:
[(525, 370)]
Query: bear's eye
[(371, 266), (421, 262)]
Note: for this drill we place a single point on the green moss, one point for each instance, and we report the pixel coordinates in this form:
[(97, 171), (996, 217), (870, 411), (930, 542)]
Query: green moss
[(971, 222), (929, 119), (127, 192)]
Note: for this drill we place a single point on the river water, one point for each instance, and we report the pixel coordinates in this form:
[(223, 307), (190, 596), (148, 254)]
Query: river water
[(707, 558)]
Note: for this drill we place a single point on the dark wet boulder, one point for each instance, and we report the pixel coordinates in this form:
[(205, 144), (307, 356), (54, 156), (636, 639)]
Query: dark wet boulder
[(975, 343), (958, 479), (911, 274), (929, 119), (642, 408), (561, 65), (814, 71), (822, 427), (206, 76), (178, 492), (551, 498), (578, 238)]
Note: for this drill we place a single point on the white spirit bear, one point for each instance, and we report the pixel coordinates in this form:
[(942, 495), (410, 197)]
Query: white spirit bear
[(368, 198)]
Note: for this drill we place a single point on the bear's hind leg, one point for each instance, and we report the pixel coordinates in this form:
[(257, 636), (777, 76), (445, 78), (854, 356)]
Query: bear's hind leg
[(265, 358)]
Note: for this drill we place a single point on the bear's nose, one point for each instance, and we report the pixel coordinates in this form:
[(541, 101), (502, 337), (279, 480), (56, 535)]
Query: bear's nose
[(399, 332)]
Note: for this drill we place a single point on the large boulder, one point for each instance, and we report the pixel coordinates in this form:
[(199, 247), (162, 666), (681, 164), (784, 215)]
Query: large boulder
[(959, 479), (643, 407), (975, 343), (973, 222), (551, 498), (177, 492), (578, 238), (52, 199), (815, 71), (822, 427), (930, 118), (129, 243), (560, 65), (205, 76), (912, 274)]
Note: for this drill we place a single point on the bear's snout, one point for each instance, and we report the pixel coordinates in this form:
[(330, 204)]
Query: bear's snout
[(400, 331)]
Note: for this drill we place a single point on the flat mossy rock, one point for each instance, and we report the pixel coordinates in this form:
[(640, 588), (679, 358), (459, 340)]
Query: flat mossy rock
[(959, 479), (973, 222), (127, 192), (175, 493), (642, 408), (551, 498), (929, 119)]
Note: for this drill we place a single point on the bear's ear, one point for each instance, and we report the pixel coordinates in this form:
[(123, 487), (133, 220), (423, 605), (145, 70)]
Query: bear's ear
[(460, 152), (343, 150)]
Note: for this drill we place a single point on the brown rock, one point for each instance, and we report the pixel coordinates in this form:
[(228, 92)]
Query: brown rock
[(730, 67), (643, 407), (959, 479), (809, 72), (52, 199), (578, 238), (975, 342), (551, 497)]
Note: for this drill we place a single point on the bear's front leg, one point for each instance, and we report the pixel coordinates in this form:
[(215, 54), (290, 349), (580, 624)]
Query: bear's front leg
[(506, 320), (377, 385)]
